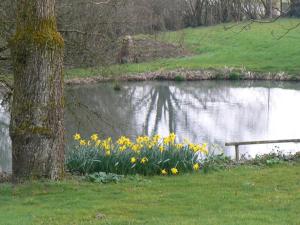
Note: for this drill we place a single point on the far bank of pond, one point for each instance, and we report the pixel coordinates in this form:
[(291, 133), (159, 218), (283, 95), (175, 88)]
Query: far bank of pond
[(185, 75)]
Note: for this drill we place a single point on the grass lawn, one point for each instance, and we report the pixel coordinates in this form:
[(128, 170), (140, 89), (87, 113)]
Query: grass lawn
[(239, 196), (257, 48)]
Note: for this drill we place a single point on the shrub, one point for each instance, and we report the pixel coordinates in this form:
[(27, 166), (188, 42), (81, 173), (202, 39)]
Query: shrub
[(117, 87), (146, 155), (234, 76), (179, 78), (272, 158)]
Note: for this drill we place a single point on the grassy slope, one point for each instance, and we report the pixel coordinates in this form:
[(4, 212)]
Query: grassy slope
[(239, 196), (256, 48)]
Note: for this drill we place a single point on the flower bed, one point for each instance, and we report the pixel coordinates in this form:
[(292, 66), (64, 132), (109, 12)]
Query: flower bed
[(146, 155)]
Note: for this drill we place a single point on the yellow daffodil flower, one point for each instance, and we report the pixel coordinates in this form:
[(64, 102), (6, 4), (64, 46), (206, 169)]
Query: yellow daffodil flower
[(166, 140), (196, 166), (77, 137), (133, 160), (94, 137), (144, 160), (142, 139), (122, 148), (174, 171), (164, 172), (82, 142), (124, 141), (136, 147), (161, 148), (179, 146), (155, 139), (172, 138)]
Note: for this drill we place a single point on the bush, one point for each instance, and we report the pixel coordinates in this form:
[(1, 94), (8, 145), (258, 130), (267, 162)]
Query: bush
[(179, 78), (234, 76), (117, 87), (146, 156), (272, 158)]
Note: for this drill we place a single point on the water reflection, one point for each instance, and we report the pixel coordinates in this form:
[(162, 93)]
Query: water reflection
[(210, 111), (5, 145), (207, 111)]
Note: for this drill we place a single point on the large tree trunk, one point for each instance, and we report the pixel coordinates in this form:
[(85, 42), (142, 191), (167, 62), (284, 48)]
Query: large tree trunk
[(295, 8), (36, 127)]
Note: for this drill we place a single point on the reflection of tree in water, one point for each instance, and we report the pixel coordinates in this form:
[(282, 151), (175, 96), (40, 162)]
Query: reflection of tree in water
[(198, 109), (179, 107), (5, 145), (99, 109)]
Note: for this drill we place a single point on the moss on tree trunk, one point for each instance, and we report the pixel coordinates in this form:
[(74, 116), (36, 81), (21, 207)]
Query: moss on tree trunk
[(36, 127)]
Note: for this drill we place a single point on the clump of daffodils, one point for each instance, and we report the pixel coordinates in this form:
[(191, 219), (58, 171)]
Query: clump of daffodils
[(144, 155)]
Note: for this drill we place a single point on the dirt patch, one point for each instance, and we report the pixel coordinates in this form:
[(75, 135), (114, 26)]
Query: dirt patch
[(136, 50)]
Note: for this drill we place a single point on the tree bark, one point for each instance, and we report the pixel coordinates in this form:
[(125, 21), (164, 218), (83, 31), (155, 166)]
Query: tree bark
[(295, 8), (36, 127)]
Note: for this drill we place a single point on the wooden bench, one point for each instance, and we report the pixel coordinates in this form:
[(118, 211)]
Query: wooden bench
[(237, 144)]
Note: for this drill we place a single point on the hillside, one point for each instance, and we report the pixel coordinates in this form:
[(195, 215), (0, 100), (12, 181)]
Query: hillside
[(263, 47)]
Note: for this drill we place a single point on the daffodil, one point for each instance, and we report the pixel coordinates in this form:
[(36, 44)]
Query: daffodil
[(133, 160), (136, 147), (124, 141), (196, 166), (82, 142), (174, 171), (172, 138), (122, 148), (156, 139), (164, 172), (107, 153), (144, 160), (142, 139), (161, 148), (94, 137), (179, 146), (77, 137)]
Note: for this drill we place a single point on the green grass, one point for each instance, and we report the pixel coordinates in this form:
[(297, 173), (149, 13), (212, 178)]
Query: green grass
[(239, 196), (256, 48)]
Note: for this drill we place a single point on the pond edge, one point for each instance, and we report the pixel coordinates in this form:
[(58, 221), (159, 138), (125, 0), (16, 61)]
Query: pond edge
[(190, 75)]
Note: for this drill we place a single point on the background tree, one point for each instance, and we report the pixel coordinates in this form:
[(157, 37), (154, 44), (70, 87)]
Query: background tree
[(36, 127)]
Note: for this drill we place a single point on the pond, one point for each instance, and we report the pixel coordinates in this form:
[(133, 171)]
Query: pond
[(202, 111)]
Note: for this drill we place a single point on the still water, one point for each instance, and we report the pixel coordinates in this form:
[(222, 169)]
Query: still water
[(204, 111)]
